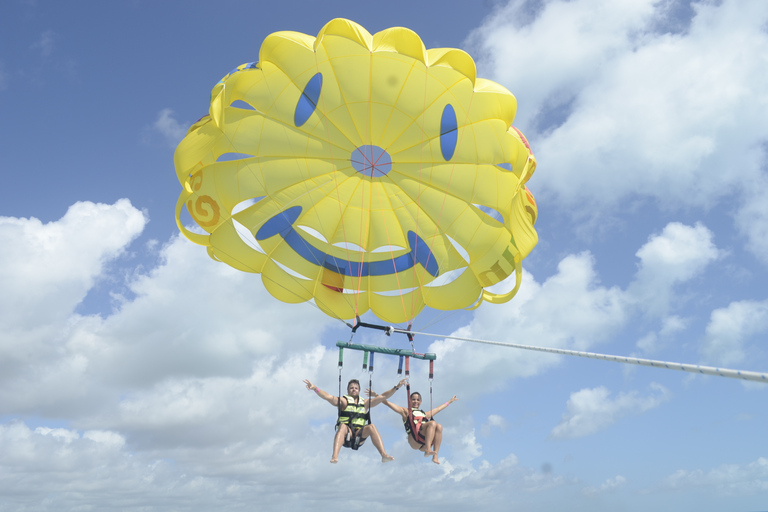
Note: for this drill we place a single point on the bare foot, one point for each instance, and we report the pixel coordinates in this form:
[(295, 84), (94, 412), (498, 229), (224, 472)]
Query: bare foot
[(434, 459), (387, 458), (334, 461), (427, 453)]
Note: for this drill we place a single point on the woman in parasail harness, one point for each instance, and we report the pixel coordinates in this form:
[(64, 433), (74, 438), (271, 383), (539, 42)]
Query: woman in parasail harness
[(353, 426), (424, 433)]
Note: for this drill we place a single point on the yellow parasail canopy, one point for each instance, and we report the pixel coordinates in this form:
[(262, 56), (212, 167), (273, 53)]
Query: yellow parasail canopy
[(363, 172)]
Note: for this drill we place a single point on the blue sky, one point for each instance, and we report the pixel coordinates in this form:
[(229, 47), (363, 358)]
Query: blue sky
[(138, 374)]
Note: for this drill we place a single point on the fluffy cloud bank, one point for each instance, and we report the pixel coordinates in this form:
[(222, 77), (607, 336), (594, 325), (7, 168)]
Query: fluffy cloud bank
[(591, 410)]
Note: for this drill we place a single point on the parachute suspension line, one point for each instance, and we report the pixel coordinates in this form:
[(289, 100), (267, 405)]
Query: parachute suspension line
[(431, 378), (362, 213), (420, 181), (683, 367), (366, 138), (328, 139), (370, 382), (460, 136), (341, 364), (439, 318), (392, 255), (408, 385), (312, 303)]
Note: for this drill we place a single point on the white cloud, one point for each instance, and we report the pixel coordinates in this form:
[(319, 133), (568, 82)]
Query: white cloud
[(617, 109), (50, 267), (169, 128), (730, 328), (189, 319), (63, 467), (587, 314), (197, 359), (729, 479), (493, 423), (752, 218), (175, 396), (176, 400), (653, 342), (45, 44), (561, 50), (45, 271), (609, 485), (677, 255), (592, 410), (59, 433)]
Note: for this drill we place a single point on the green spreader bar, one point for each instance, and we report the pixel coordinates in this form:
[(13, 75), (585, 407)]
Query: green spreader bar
[(382, 350)]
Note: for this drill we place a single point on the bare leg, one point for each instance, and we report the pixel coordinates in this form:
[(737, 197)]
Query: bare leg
[(337, 442), (370, 430), (438, 439), (428, 430)]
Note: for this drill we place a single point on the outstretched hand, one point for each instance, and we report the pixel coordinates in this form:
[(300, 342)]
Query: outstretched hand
[(370, 393), (310, 386)]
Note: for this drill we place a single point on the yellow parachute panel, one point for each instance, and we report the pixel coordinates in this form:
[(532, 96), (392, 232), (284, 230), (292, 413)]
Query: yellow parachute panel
[(363, 172)]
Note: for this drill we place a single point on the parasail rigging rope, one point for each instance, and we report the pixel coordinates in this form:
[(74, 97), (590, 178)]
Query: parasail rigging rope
[(691, 368)]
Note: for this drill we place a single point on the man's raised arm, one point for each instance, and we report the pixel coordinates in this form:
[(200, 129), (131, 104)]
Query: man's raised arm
[(377, 399), (331, 399)]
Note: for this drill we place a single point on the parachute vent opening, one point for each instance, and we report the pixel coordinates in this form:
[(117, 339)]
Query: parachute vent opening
[(448, 132), (231, 157), (490, 212), (290, 271), (243, 205), (505, 286), (388, 249), (247, 237), (394, 293), (349, 246), (446, 278), (459, 248), (241, 105), (371, 161), (307, 103), (313, 233)]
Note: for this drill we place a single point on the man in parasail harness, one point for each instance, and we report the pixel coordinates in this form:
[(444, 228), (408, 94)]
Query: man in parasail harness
[(353, 427)]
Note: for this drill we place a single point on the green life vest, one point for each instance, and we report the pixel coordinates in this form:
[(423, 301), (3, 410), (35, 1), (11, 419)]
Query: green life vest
[(355, 414)]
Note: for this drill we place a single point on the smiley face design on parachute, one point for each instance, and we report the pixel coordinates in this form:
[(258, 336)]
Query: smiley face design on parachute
[(362, 172)]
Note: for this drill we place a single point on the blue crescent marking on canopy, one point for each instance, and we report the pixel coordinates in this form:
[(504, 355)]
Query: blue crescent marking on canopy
[(282, 224)]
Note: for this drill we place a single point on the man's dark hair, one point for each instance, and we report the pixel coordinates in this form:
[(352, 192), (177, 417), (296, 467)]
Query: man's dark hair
[(355, 381)]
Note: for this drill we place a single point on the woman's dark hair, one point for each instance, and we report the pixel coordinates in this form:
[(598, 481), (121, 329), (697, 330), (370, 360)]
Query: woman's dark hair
[(415, 393)]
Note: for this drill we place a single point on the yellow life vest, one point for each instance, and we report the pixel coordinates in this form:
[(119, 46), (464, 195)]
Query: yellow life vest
[(355, 414)]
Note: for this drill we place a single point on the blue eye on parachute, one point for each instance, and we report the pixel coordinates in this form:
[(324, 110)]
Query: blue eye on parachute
[(308, 100), (448, 132), (362, 172)]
